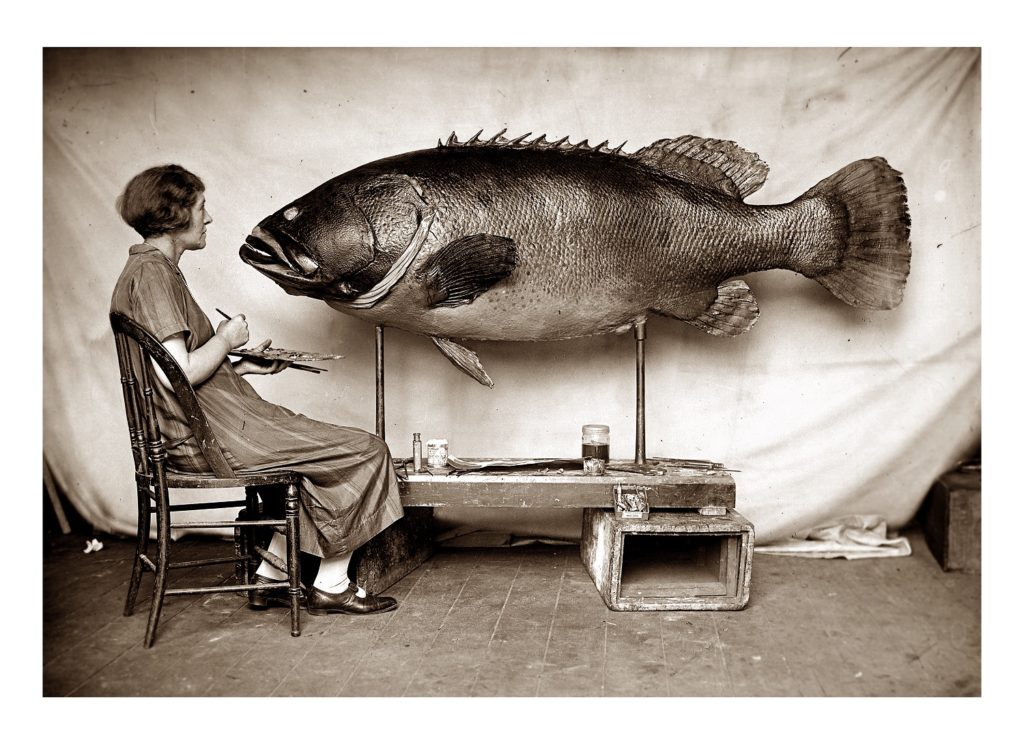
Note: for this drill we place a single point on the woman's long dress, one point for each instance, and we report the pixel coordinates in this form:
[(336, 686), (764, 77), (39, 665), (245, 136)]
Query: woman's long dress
[(349, 492)]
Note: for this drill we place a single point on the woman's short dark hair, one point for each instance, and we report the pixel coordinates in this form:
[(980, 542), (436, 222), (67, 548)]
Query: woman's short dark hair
[(158, 200)]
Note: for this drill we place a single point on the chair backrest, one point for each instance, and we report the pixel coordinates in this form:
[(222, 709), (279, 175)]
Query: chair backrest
[(134, 341)]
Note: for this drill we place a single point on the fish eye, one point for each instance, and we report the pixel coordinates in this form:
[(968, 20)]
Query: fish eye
[(290, 213)]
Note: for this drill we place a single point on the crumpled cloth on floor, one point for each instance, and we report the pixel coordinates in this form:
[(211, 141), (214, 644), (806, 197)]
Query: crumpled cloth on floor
[(851, 536)]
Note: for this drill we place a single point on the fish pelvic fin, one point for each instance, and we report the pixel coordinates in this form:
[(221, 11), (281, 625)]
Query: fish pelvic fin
[(715, 163), (464, 359), (873, 259), (732, 310)]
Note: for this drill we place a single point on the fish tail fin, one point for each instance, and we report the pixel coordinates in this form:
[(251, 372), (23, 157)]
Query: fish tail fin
[(867, 202)]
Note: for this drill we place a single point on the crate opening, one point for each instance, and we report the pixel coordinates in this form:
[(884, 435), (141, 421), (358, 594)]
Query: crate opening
[(678, 565)]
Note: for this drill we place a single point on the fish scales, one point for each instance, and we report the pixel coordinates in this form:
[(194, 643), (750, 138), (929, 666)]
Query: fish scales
[(589, 227), (539, 242)]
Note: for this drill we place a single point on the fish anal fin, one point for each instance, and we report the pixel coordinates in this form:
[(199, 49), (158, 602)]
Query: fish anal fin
[(464, 359), (715, 163), (463, 269), (731, 311)]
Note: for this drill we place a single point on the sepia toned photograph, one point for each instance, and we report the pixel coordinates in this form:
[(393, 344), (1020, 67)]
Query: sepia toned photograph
[(511, 372)]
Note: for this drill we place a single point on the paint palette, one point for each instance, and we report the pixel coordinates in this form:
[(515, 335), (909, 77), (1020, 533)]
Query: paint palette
[(278, 353)]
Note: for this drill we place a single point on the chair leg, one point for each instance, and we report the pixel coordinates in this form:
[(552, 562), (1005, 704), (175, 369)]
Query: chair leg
[(245, 539), (141, 548), (291, 516), (252, 535), (241, 550), (163, 526)]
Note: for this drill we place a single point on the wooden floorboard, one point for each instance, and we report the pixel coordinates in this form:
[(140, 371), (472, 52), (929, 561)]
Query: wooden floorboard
[(451, 661), (85, 608), (520, 622), (694, 662), (514, 658)]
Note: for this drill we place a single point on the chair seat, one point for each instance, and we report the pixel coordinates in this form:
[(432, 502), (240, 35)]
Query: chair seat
[(183, 480)]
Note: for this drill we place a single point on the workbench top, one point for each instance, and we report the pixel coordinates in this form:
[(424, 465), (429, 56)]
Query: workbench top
[(562, 483)]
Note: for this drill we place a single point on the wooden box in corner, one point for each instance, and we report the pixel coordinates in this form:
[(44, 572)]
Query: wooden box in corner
[(951, 517)]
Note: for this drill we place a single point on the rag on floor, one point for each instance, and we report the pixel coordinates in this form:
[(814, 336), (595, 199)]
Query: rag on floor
[(850, 536)]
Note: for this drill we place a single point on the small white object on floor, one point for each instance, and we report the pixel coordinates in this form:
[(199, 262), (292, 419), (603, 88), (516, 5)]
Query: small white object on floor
[(91, 546), (851, 536)]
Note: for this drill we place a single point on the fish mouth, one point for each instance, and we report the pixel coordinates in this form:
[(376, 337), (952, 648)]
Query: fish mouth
[(288, 263), (264, 249)]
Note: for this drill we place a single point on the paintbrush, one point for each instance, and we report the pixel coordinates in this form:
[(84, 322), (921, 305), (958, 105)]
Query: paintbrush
[(298, 366)]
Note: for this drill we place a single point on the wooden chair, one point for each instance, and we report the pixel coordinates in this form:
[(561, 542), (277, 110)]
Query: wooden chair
[(136, 348)]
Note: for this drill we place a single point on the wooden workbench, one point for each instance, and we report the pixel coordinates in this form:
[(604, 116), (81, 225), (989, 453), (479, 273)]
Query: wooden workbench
[(410, 541)]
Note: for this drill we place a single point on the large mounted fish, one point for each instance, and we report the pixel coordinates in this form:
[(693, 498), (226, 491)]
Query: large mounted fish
[(503, 239)]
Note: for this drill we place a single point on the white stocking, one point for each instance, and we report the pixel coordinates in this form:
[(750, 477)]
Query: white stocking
[(333, 574)]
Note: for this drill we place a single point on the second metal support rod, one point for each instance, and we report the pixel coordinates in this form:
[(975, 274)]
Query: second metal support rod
[(640, 333)]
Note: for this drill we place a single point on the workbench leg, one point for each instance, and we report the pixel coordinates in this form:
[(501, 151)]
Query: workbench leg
[(396, 552)]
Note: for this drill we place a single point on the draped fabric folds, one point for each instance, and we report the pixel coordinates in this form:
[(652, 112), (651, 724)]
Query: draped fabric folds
[(825, 410)]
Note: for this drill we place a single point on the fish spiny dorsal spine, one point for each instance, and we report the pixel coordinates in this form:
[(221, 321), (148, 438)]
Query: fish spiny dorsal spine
[(541, 142), (494, 138)]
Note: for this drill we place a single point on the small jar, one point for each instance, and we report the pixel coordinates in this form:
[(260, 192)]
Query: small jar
[(437, 453), (595, 449)]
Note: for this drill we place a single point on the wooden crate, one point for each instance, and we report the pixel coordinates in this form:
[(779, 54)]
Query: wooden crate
[(951, 515), (394, 553), (677, 560)]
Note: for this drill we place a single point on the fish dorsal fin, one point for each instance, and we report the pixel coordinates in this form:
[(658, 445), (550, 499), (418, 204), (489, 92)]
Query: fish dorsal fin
[(723, 165), (524, 142), (715, 163)]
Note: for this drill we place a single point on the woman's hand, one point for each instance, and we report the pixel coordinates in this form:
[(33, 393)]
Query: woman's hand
[(258, 366), (235, 331)]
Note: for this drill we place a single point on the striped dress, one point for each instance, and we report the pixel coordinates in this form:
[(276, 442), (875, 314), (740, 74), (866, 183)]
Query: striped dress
[(349, 492)]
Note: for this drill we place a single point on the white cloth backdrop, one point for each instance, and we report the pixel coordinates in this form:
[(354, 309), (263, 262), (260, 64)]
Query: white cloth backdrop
[(825, 410)]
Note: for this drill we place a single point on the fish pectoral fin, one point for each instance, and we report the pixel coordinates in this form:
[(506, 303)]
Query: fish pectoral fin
[(732, 311), (464, 359), (715, 163), (465, 268)]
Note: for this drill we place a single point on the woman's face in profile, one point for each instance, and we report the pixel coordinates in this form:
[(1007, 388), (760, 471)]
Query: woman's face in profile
[(194, 237)]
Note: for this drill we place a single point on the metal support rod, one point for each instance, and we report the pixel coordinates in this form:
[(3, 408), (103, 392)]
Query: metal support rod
[(380, 381), (640, 333)]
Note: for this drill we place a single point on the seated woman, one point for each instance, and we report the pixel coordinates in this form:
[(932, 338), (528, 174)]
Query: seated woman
[(349, 492)]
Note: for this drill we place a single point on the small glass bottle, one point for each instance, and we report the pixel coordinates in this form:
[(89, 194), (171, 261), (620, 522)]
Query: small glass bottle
[(417, 453)]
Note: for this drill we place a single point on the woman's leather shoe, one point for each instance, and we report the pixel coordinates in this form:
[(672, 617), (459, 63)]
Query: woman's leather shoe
[(349, 601), (261, 599)]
